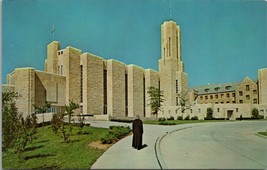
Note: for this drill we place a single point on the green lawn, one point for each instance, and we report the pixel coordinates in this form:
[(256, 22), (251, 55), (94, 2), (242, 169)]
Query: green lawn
[(51, 152), (263, 133), (178, 122)]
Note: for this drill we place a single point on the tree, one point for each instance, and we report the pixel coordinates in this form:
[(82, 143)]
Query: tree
[(42, 109), (209, 114), (255, 113), (156, 98), (183, 101), (10, 120), (69, 109)]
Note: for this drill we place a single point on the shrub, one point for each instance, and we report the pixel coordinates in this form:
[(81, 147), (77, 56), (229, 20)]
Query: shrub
[(255, 113), (170, 118), (167, 123), (261, 116), (209, 114), (180, 118), (162, 119), (56, 122), (194, 118), (10, 120), (115, 133), (187, 117)]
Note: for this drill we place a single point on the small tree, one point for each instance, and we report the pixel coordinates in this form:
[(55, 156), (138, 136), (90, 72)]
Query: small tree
[(42, 109), (209, 114), (10, 120), (255, 113), (156, 99), (183, 101), (69, 109)]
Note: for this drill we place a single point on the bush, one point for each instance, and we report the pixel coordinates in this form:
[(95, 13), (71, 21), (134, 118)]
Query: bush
[(187, 117), (167, 123), (255, 113), (170, 118), (194, 118), (115, 133), (162, 119), (261, 116), (209, 114), (180, 118)]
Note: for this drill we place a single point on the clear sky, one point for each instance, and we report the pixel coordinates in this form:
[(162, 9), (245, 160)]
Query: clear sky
[(222, 41)]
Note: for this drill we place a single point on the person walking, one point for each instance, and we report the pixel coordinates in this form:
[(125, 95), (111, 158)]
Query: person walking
[(137, 133)]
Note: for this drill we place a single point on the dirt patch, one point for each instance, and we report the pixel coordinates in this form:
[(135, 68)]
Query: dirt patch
[(99, 145)]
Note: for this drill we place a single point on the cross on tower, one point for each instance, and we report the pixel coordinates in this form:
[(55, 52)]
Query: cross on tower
[(170, 9), (53, 31)]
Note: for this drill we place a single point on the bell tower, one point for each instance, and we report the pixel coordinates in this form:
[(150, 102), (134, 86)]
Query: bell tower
[(173, 79)]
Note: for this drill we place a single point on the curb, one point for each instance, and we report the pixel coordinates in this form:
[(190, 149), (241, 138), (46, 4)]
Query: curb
[(261, 135), (160, 160)]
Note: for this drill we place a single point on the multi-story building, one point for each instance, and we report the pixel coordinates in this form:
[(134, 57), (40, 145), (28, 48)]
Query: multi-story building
[(109, 88)]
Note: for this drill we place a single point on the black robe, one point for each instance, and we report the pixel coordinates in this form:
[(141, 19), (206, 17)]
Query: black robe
[(137, 133)]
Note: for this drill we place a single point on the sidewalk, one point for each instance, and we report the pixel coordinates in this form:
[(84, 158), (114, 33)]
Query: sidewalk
[(122, 156)]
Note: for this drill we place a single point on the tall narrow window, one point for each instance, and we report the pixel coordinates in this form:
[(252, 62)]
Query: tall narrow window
[(126, 95), (144, 94), (61, 70), (247, 87), (176, 86), (81, 97), (169, 46), (105, 91), (177, 101)]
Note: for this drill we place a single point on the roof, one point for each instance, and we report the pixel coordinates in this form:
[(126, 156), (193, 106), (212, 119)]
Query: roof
[(216, 88)]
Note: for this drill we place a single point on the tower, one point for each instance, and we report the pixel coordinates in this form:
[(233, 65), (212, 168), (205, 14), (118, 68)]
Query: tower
[(173, 79)]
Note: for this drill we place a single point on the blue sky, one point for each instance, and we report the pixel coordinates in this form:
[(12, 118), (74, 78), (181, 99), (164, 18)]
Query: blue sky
[(222, 41)]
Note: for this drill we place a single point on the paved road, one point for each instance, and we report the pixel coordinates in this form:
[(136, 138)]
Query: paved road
[(225, 145)]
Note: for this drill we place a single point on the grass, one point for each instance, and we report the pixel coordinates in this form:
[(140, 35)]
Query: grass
[(178, 122), (49, 151), (263, 133)]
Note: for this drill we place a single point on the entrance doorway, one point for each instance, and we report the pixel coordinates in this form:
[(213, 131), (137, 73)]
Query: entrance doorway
[(230, 114)]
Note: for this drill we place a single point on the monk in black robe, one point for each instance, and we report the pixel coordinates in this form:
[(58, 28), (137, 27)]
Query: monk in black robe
[(137, 133)]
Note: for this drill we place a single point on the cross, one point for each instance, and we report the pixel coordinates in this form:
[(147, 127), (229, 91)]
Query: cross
[(53, 31), (170, 10)]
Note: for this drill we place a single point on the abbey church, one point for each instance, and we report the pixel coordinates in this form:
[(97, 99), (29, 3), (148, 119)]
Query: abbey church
[(107, 89)]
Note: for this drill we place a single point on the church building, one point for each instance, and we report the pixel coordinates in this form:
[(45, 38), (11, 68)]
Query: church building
[(107, 89)]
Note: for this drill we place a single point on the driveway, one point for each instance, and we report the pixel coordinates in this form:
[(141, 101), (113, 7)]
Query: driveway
[(224, 145)]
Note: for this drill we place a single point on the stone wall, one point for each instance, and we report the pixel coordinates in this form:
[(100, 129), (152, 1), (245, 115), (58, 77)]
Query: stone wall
[(71, 69), (135, 91), (151, 80), (93, 92), (262, 75), (115, 88)]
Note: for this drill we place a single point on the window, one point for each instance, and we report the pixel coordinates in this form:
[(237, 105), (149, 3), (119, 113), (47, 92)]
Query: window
[(233, 94), (227, 95), (228, 87), (199, 110), (217, 88), (216, 102), (254, 91), (218, 109), (222, 102), (211, 96), (255, 101), (240, 101), (206, 97), (240, 93), (81, 88), (176, 86), (176, 101), (227, 102), (191, 110), (201, 97), (207, 90), (247, 87), (216, 96), (247, 97), (236, 110), (221, 95)]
